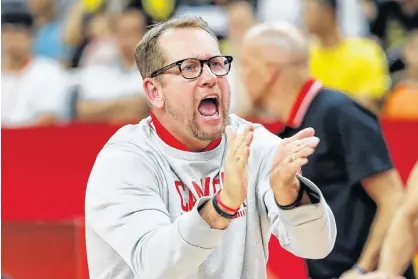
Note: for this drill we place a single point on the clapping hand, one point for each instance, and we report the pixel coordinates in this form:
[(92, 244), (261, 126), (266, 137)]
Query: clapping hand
[(234, 190), (292, 154)]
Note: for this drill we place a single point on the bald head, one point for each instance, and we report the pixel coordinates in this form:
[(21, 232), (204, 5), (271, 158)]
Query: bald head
[(274, 63), (280, 43)]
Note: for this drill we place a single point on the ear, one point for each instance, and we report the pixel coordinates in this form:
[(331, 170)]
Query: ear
[(154, 92), (272, 73)]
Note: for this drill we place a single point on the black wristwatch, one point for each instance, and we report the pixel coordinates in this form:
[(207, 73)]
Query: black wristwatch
[(296, 203)]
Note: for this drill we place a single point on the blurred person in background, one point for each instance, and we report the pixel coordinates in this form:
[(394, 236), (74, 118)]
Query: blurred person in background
[(101, 48), (390, 22), (352, 165), (74, 32), (352, 21), (89, 25), (402, 101), (240, 17), (402, 238), (287, 11), (34, 90), (48, 30), (88, 30), (113, 92), (356, 66), (212, 11)]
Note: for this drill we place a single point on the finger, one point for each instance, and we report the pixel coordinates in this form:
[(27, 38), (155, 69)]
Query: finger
[(298, 145), (295, 156), (242, 140), (284, 142), (248, 139), (302, 144), (307, 142), (230, 135), (243, 159), (305, 152), (285, 152), (240, 152), (311, 141), (305, 133), (293, 145)]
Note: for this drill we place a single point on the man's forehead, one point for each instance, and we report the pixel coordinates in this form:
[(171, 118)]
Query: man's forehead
[(188, 43)]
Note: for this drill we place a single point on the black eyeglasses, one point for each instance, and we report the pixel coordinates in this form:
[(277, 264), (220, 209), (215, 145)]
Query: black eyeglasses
[(191, 68)]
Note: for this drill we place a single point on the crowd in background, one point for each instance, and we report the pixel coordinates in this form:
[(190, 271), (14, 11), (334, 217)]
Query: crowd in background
[(73, 60)]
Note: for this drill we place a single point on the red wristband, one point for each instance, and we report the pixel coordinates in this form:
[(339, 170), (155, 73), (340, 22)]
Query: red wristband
[(218, 199)]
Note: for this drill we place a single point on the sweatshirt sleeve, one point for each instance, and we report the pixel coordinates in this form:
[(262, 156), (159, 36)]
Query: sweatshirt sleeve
[(308, 231), (124, 207)]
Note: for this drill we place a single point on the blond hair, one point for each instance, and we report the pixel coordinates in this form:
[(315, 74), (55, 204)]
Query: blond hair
[(148, 55)]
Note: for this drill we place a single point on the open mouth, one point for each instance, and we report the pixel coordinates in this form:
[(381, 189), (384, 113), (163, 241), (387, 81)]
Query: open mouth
[(209, 107)]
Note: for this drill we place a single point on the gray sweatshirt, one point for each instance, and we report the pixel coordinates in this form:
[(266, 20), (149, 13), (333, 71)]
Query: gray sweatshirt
[(142, 220)]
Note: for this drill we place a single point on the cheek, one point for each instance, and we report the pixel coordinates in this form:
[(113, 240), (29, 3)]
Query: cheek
[(180, 95), (225, 89), (224, 86)]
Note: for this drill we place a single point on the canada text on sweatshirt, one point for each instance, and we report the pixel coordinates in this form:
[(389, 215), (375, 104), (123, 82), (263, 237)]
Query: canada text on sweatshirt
[(142, 220)]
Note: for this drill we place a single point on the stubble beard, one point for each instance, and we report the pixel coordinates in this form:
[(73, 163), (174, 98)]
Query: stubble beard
[(192, 125)]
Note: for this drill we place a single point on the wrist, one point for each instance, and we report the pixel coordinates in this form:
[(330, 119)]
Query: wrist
[(226, 204), (211, 217), (220, 211), (288, 196)]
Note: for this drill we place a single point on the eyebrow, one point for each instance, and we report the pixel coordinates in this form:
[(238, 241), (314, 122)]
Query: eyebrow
[(203, 55)]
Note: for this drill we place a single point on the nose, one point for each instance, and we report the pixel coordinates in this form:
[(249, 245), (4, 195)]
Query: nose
[(207, 79)]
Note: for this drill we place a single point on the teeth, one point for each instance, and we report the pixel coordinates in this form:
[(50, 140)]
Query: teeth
[(210, 97), (212, 116)]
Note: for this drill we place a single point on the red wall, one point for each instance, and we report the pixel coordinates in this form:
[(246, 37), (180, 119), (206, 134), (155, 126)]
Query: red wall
[(44, 173)]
